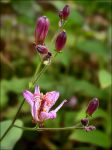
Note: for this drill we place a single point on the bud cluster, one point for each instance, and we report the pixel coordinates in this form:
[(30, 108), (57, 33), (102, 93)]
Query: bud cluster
[(91, 108), (41, 31)]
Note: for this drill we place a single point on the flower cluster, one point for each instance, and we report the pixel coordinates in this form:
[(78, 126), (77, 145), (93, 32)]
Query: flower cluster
[(41, 31), (40, 103), (92, 106)]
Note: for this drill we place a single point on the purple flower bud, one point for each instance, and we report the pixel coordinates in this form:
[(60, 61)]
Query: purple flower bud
[(92, 106), (60, 41), (47, 58), (49, 54), (42, 49), (61, 14), (66, 12), (41, 30), (85, 121), (89, 128)]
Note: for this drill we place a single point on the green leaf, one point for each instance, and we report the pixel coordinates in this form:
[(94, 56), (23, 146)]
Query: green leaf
[(66, 57), (99, 113), (76, 17), (12, 136), (3, 95), (97, 138), (69, 118), (24, 7), (95, 47), (104, 78), (84, 148), (18, 85), (15, 84), (58, 4), (83, 87)]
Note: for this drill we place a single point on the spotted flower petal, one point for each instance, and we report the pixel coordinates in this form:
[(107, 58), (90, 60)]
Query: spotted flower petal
[(37, 90), (50, 100), (34, 111), (60, 106), (28, 96), (50, 115)]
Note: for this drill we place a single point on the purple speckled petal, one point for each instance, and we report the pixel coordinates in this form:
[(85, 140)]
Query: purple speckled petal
[(60, 106), (54, 95), (28, 96), (37, 90), (50, 115), (51, 98), (34, 111)]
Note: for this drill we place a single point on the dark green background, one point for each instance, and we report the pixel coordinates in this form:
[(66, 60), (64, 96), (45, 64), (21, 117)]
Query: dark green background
[(82, 70)]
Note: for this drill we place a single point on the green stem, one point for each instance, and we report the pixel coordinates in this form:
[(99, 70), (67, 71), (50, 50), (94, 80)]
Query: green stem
[(43, 70), (37, 77), (36, 72), (10, 126), (61, 28), (35, 80), (49, 129), (13, 120)]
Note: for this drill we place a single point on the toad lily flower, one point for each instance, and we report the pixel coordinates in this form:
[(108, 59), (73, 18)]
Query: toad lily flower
[(41, 104)]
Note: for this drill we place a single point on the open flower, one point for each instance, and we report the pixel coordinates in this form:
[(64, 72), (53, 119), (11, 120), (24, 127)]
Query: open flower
[(41, 104)]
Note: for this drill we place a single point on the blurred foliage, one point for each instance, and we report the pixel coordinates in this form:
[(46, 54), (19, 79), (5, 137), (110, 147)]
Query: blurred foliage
[(82, 70), (13, 135)]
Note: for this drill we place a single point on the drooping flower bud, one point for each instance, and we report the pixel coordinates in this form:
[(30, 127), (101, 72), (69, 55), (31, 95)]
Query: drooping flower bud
[(41, 30), (92, 106), (60, 41), (42, 49), (66, 12), (89, 128), (85, 121), (47, 58), (63, 14)]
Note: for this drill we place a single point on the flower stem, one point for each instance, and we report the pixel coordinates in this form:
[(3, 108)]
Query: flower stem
[(42, 71), (49, 129), (36, 72), (34, 81)]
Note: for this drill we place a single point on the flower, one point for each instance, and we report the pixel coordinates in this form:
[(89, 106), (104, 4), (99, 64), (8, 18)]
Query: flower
[(92, 106), (60, 41), (66, 12), (63, 14), (85, 121), (41, 104), (41, 30), (42, 49), (89, 128)]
